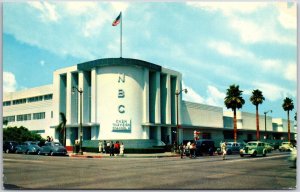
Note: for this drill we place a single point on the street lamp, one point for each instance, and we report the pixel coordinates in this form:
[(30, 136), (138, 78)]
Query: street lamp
[(266, 122), (177, 126), (80, 110)]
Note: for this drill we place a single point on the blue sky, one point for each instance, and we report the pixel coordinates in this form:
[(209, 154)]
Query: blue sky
[(213, 45)]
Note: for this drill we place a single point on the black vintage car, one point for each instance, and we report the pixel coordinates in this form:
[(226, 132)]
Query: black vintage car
[(205, 146), (9, 146)]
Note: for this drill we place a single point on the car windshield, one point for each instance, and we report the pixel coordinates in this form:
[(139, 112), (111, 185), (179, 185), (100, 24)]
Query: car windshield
[(252, 144)]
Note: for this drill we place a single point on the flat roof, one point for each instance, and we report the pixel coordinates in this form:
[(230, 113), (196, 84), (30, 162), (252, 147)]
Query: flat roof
[(86, 66)]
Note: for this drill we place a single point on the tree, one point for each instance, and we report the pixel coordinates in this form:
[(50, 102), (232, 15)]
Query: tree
[(5, 122), (234, 100), (256, 99), (62, 128), (288, 106), (20, 134)]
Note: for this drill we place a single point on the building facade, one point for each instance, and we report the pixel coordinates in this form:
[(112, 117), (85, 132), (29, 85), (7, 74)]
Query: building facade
[(118, 99)]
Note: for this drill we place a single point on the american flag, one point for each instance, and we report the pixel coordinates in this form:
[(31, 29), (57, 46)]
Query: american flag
[(117, 20)]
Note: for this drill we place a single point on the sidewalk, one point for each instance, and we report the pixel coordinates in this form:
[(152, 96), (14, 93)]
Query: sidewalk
[(103, 155)]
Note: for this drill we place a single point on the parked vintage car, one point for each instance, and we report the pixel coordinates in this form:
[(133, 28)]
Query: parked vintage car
[(205, 146), (293, 158), (285, 146), (28, 147), (9, 146), (254, 148), (53, 148), (233, 147)]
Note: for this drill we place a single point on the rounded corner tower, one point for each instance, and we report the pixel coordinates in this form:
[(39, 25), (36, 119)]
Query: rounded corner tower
[(121, 99)]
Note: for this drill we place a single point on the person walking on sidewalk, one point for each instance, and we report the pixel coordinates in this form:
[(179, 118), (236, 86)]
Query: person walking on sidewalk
[(104, 147), (122, 149), (111, 148), (108, 147), (223, 148), (100, 146)]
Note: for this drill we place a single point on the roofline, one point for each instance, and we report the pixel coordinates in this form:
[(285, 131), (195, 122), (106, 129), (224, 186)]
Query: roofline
[(86, 66)]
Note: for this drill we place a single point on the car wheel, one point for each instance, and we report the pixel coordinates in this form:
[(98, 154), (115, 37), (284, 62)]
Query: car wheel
[(7, 151), (264, 153), (242, 155), (39, 152), (27, 152), (254, 154), (51, 153)]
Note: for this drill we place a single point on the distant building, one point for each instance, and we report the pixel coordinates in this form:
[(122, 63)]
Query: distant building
[(125, 99)]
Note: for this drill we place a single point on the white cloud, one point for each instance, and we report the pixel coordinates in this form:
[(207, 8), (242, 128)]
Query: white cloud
[(251, 32), (273, 92), (9, 82), (226, 48), (229, 8), (192, 95), (120, 6), (214, 96), (287, 15), (79, 8), (290, 72), (48, 11)]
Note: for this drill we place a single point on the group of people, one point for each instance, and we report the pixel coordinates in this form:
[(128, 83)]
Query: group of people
[(112, 148), (189, 149)]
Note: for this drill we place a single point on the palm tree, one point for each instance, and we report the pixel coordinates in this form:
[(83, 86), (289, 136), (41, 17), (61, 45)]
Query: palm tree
[(288, 106), (234, 100), (256, 99), (62, 127)]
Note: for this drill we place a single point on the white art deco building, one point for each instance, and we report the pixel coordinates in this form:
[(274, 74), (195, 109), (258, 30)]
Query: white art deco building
[(122, 99)]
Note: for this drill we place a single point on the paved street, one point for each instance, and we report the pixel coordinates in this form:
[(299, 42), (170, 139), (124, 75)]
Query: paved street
[(46, 172)]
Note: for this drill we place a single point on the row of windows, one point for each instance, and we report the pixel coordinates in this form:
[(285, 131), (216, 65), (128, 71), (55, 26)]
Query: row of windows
[(28, 100), (26, 117)]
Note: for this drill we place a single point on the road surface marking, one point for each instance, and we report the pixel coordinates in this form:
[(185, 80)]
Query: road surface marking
[(24, 160)]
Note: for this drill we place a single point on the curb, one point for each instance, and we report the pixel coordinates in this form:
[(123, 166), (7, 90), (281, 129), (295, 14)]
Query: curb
[(126, 156)]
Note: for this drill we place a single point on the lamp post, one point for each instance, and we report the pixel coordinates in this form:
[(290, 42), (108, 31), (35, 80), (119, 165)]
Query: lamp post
[(177, 125), (266, 122), (80, 113)]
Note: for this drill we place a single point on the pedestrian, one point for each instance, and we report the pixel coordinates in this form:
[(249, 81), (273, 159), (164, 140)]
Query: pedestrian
[(181, 148), (192, 150), (223, 149), (108, 147), (51, 139), (122, 149), (104, 146), (100, 146), (117, 148), (111, 151)]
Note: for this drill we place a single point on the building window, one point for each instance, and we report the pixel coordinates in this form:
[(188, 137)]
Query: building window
[(48, 97), (6, 103), (19, 101), (35, 99), (39, 115), (9, 118), (24, 117)]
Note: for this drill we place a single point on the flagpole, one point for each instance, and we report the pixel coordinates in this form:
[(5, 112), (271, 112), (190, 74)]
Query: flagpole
[(121, 35)]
